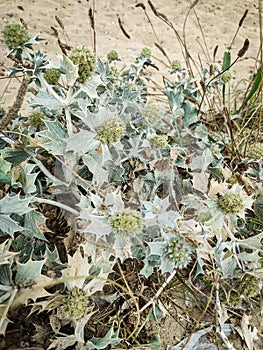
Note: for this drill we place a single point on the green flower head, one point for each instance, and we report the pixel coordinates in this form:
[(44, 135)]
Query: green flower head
[(2, 112), (231, 203), (14, 35), (146, 52), (249, 286), (179, 253), (126, 223), (256, 151), (112, 56), (52, 76), (75, 303), (36, 119), (111, 131), (152, 113), (159, 142), (85, 59), (176, 65), (226, 77)]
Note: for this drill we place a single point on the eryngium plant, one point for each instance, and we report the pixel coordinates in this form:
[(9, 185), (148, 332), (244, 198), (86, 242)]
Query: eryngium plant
[(14, 35)]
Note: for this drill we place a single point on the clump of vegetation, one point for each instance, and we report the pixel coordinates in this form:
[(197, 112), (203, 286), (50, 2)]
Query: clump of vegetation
[(109, 198)]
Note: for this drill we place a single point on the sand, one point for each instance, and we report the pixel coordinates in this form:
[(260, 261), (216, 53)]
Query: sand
[(209, 23)]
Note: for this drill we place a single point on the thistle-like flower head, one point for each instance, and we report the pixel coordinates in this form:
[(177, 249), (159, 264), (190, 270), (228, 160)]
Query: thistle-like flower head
[(112, 56), (36, 119), (152, 113), (226, 77), (75, 303), (176, 65), (179, 252), (231, 203), (14, 35), (126, 223), (111, 131), (85, 59), (159, 141), (52, 75)]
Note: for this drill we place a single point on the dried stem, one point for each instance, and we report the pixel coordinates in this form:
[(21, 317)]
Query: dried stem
[(12, 113)]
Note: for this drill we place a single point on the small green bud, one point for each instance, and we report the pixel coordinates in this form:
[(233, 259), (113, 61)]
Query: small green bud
[(146, 52), (256, 151), (179, 253), (52, 75), (112, 56), (14, 35), (111, 131), (126, 223), (226, 77), (86, 61), (36, 119), (159, 142), (176, 65), (231, 203), (152, 113), (75, 303)]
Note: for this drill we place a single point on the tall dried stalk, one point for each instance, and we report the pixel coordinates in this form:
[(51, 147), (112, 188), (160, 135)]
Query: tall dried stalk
[(12, 112)]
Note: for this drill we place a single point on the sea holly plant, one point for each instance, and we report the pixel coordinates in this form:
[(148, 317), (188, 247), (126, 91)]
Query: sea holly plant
[(95, 175)]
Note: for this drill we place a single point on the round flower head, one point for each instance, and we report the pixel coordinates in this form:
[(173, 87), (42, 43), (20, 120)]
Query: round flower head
[(14, 35), (75, 303), (146, 52), (176, 65), (85, 59), (159, 141), (126, 223), (226, 76), (111, 131), (179, 253), (52, 76), (256, 151), (249, 286), (36, 119), (152, 113), (112, 56), (231, 203)]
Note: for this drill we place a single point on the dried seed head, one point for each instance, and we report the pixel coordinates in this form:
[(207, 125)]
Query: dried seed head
[(244, 49)]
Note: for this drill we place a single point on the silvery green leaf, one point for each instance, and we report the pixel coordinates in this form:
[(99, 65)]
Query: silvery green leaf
[(70, 69), (6, 174), (200, 163), (150, 262), (47, 100), (90, 87), (157, 248), (94, 163), (253, 242), (249, 257), (82, 142), (29, 178), (228, 266), (53, 137), (111, 338), (190, 115), (28, 272), (9, 226), (34, 225), (14, 204), (196, 341)]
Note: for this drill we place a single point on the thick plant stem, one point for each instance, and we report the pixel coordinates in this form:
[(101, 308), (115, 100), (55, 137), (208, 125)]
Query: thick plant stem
[(12, 113)]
